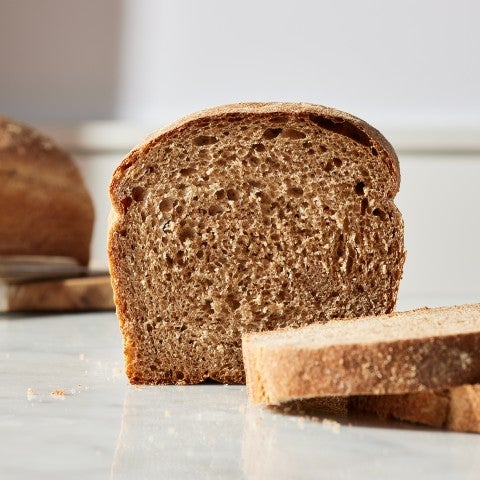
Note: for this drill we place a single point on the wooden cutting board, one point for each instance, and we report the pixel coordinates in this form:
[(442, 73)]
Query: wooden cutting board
[(77, 294)]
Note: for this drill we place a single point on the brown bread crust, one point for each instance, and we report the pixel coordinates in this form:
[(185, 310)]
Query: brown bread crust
[(249, 217), (47, 209)]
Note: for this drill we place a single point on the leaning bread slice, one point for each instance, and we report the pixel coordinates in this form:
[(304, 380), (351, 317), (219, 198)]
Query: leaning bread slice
[(249, 217), (455, 408), (388, 354)]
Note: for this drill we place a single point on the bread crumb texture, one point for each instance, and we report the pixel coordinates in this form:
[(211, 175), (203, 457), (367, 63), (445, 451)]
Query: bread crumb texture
[(247, 218)]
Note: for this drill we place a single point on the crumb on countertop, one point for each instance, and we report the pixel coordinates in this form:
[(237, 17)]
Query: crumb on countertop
[(31, 393), (58, 392)]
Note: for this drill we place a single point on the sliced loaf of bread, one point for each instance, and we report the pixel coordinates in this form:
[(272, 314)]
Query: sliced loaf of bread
[(249, 217), (388, 354)]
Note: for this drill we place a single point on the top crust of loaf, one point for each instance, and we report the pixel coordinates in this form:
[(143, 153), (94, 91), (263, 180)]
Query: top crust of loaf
[(248, 217), (404, 352), (50, 211), (336, 120)]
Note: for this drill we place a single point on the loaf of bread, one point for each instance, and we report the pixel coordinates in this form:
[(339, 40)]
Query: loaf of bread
[(406, 352), (47, 209), (249, 217)]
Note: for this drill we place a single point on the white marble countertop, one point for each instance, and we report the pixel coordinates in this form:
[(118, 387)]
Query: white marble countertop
[(103, 428)]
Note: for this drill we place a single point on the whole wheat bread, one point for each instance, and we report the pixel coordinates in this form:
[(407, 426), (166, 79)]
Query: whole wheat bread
[(249, 217), (455, 408), (388, 354), (47, 209)]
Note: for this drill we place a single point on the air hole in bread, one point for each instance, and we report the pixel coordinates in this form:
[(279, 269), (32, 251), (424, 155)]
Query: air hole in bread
[(220, 194), (359, 188), (255, 183), (185, 172), (125, 166), (123, 233), (338, 125), (138, 193), (350, 258), (179, 257), (295, 192), (337, 162), (328, 167), (203, 140), (232, 302), (179, 210), (379, 213), (149, 327), (271, 133), (293, 134), (280, 119), (232, 195), (166, 204), (328, 210), (374, 151), (186, 233), (252, 159), (215, 210), (259, 147), (364, 206), (126, 202)]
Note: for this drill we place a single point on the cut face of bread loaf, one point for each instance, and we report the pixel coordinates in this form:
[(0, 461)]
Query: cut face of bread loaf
[(47, 209), (390, 354), (249, 217)]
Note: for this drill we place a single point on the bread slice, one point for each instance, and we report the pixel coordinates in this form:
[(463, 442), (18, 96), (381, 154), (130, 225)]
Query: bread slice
[(389, 354), (456, 408), (47, 209), (249, 217)]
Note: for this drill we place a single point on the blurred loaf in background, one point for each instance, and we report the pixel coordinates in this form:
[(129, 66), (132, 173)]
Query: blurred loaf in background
[(46, 208)]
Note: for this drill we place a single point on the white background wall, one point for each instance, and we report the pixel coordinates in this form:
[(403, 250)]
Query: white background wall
[(410, 68), (386, 61)]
